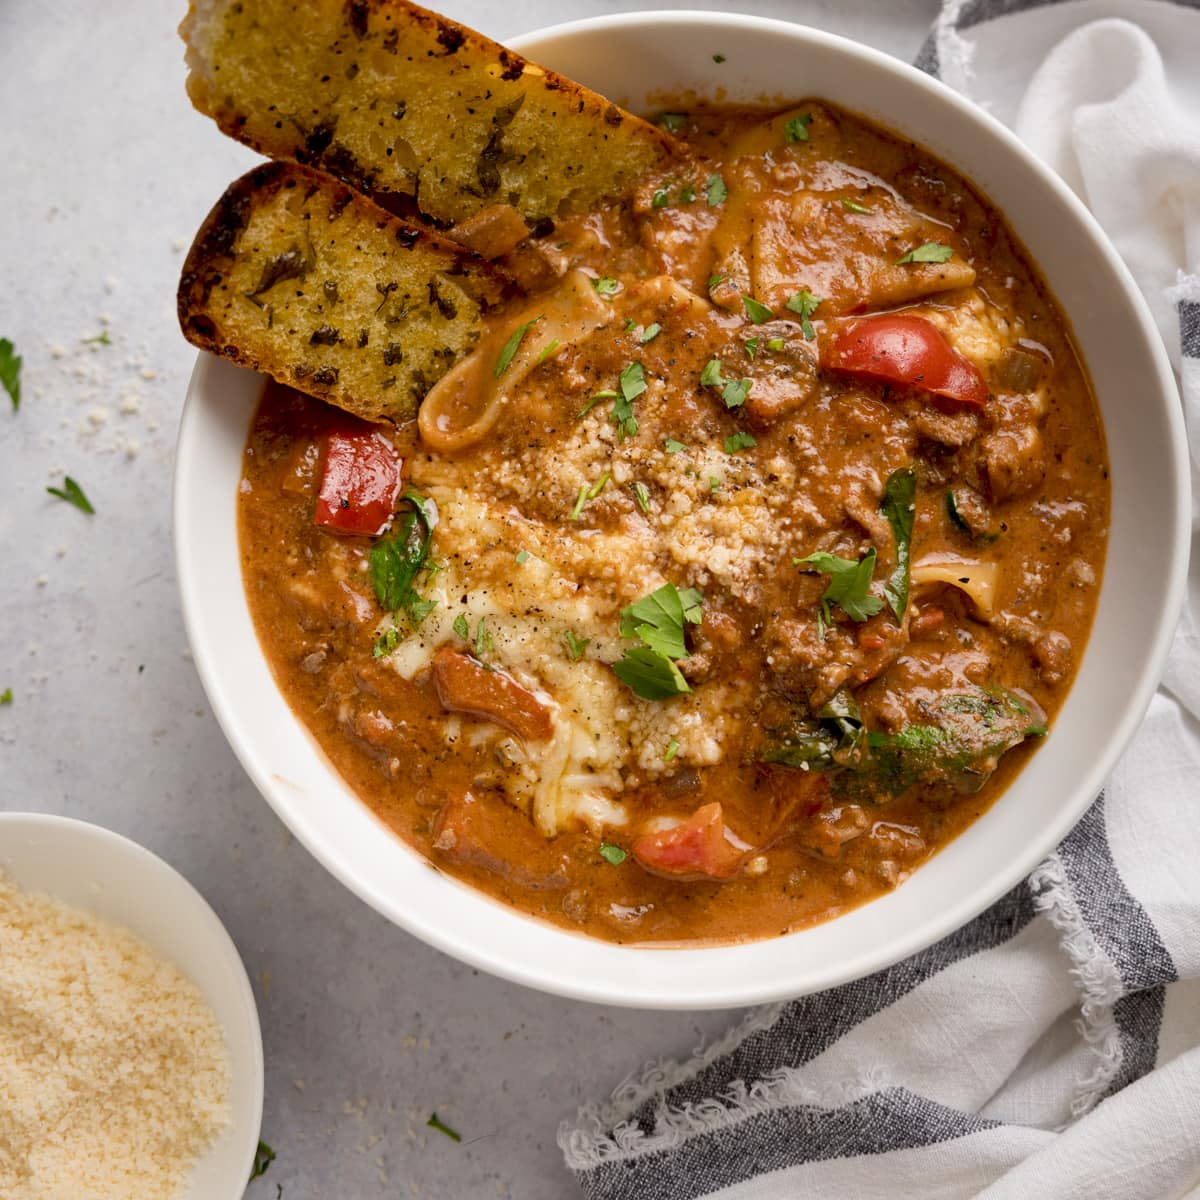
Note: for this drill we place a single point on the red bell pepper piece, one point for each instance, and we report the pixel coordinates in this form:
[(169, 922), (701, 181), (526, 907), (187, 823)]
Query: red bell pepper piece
[(905, 349), (360, 483), (700, 848)]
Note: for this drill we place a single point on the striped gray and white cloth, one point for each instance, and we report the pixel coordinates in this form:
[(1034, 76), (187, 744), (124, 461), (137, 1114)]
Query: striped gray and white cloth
[(1051, 1047)]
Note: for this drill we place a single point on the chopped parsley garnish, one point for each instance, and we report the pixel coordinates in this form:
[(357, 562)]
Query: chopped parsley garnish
[(386, 643), (522, 557), (642, 495), (672, 122), (714, 484), (751, 347), (435, 1122), (899, 506), (796, 130), (575, 645), (854, 206), (10, 372), (930, 252), (607, 394), (673, 446), (599, 485), (651, 332), (672, 750), (397, 563), (659, 199), (483, 641), (715, 191), (548, 350), (658, 622), (735, 392), (804, 304), (72, 493), (629, 324), (632, 383), (775, 344), (580, 501), (461, 627), (711, 375), (264, 1156), (612, 854), (757, 312), (849, 584), (99, 339), (509, 349), (739, 441), (718, 58), (6, 696), (687, 194), (606, 286), (715, 279)]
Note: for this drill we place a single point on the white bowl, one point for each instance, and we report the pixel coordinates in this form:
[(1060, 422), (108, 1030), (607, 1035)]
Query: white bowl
[(634, 58), (103, 873)]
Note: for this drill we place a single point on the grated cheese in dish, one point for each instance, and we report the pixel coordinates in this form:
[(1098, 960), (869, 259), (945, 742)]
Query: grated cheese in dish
[(114, 1075)]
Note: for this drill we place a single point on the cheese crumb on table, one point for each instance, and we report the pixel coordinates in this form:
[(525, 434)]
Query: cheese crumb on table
[(114, 1075)]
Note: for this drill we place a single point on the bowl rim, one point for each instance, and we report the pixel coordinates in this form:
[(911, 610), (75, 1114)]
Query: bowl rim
[(728, 990), (228, 976)]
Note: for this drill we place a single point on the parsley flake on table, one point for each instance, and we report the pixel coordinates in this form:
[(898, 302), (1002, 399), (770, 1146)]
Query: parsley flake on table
[(930, 252), (718, 58), (715, 191), (99, 339), (612, 854), (10, 372), (849, 584), (804, 304), (575, 645), (509, 349), (671, 122), (739, 441), (756, 311), (6, 696), (435, 1122), (606, 285), (264, 1156), (796, 130), (72, 493)]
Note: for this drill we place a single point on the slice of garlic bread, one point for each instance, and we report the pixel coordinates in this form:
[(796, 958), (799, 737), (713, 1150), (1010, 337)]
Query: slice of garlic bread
[(298, 276), (399, 102)]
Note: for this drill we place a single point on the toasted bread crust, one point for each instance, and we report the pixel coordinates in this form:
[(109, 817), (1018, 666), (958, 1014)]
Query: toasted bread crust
[(399, 102), (296, 275)]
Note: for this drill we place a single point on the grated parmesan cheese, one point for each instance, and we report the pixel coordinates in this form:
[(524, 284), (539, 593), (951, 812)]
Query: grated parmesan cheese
[(114, 1076)]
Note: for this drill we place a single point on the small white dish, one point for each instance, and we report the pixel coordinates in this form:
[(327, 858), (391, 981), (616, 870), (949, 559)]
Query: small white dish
[(638, 59), (99, 871)]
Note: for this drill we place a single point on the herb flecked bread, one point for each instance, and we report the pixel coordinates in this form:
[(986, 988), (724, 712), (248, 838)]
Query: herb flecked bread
[(298, 276), (399, 102)]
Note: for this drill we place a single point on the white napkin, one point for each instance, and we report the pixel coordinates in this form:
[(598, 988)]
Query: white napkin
[(1051, 1048)]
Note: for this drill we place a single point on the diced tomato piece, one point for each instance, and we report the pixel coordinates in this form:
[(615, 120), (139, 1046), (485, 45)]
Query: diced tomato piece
[(360, 483), (464, 686), (700, 848), (905, 349)]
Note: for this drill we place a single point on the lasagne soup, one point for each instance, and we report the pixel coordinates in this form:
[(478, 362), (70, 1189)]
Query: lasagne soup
[(739, 567)]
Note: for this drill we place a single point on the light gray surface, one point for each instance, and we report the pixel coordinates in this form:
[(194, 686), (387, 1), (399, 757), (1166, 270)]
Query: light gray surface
[(105, 174)]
